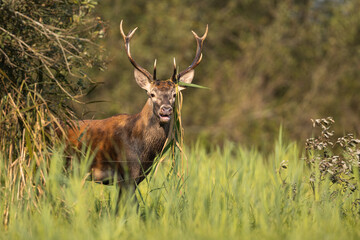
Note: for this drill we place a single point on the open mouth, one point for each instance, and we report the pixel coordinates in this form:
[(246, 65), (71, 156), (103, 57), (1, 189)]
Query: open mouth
[(164, 117)]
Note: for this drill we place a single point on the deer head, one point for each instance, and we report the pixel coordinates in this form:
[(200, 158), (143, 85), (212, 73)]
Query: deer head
[(163, 92)]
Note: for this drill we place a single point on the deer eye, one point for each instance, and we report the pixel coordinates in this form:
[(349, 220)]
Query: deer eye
[(174, 95), (152, 95)]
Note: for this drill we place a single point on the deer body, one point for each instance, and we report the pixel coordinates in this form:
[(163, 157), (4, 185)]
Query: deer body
[(126, 145)]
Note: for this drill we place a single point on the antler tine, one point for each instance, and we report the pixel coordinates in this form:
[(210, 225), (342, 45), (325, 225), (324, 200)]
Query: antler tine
[(154, 75), (127, 39), (174, 74), (198, 55)]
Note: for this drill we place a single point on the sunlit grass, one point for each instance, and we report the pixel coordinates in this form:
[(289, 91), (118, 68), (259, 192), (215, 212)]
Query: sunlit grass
[(228, 193)]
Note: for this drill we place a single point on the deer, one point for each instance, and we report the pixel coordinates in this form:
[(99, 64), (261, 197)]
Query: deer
[(125, 145)]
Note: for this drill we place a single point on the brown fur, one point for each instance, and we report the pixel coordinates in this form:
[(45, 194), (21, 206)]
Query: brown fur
[(125, 145)]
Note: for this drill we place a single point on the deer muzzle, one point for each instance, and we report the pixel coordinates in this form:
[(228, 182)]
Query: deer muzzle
[(165, 113)]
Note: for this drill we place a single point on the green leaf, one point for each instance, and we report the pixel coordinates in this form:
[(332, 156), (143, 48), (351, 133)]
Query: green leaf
[(28, 143), (192, 85)]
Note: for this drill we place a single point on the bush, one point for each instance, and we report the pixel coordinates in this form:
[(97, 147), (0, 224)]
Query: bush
[(338, 158), (46, 48)]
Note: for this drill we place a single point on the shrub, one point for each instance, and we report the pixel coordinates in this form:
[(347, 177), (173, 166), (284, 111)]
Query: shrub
[(337, 158), (46, 47)]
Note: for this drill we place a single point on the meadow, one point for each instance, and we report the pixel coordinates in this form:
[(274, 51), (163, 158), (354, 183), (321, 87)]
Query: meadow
[(233, 175), (225, 193)]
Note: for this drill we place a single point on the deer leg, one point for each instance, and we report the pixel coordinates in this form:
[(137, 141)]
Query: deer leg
[(118, 200), (135, 200), (131, 190)]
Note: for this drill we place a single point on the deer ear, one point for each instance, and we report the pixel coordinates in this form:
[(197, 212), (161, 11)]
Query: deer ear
[(186, 78), (142, 80)]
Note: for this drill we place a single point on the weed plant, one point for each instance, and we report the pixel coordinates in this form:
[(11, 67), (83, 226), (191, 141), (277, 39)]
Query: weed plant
[(229, 193)]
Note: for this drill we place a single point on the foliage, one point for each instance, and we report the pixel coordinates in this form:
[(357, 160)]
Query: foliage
[(230, 193), (266, 62), (46, 47), (339, 158)]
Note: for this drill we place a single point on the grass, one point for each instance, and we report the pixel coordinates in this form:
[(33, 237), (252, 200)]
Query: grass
[(228, 193)]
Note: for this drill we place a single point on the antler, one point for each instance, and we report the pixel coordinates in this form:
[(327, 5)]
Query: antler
[(127, 48), (198, 55)]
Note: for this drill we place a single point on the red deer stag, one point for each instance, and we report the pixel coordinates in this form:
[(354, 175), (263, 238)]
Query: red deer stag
[(126, 145)]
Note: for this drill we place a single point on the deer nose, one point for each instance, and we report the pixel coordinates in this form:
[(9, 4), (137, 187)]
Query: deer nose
[(166, 109)]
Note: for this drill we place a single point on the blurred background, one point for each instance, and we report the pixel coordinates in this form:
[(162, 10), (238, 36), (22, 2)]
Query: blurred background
[(268, 63)]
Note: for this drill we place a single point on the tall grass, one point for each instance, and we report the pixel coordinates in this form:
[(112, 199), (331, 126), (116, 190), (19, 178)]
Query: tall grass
[(229, 193)]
